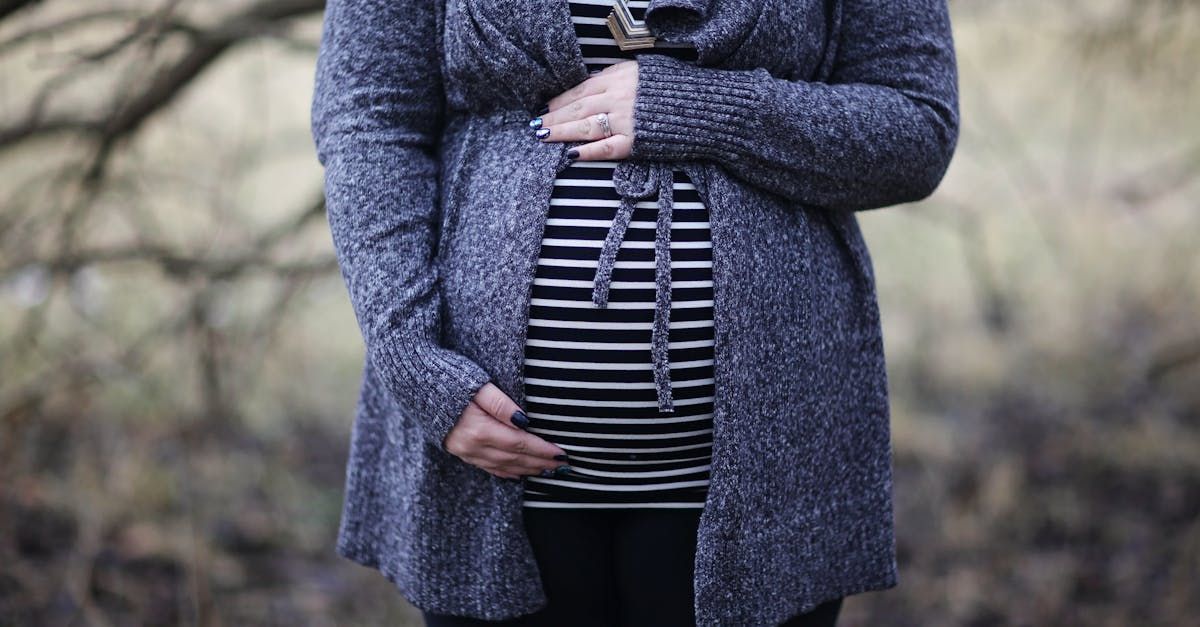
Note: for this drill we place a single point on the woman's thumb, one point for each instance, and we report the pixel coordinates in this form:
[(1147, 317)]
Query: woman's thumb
[(495, 402)]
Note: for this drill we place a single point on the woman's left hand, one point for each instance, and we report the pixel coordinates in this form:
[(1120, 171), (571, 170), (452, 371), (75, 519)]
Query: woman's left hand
[(572, 115)]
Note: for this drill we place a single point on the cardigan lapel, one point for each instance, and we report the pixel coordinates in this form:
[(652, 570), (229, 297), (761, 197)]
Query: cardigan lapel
[(695, 9)]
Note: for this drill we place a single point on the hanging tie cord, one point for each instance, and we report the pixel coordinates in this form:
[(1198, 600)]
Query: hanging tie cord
[(634, 181)]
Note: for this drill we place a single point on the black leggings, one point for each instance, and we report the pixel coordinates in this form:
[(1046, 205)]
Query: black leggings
[(626, 567)]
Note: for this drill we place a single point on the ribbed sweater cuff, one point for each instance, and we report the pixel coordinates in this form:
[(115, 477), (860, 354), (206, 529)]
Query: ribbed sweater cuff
[(686, 112), (432, 383)]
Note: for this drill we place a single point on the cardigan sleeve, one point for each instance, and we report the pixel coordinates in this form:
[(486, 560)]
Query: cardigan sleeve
[(881, 130), (377, 111)]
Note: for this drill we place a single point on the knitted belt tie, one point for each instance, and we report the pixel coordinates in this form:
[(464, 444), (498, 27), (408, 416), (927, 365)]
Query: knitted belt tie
[(634, 181)]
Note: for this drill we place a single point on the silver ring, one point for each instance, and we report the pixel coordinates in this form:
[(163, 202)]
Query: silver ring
[(602, 120)]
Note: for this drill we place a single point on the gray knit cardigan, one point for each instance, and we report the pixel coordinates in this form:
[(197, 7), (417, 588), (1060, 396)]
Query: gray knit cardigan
[(796, 115)]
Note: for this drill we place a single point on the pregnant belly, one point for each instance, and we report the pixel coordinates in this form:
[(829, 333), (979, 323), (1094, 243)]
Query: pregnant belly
[(588, 378)]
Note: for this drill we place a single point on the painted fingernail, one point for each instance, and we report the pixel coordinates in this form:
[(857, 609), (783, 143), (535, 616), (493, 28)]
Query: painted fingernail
[(535, 123), (542, 133), (562, 470), (520, 419), (546, 472), (544, 110), (561, 458), (572, 154)]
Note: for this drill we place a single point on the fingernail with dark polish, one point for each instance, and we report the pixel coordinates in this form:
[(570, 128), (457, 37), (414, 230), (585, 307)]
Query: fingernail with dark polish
[(544, 110), (546, 472), (562, 470), (520, 419), (572, 154), (535, 123), (542, 133), (561, 458)]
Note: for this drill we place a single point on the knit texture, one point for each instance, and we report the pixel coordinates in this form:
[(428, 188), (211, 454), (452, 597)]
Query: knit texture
[(796, 115)]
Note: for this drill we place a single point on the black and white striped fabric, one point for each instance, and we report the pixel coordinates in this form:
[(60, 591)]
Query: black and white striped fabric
[(588, 378)]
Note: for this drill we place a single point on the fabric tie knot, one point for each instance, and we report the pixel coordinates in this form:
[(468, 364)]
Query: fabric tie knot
[(634, 181)]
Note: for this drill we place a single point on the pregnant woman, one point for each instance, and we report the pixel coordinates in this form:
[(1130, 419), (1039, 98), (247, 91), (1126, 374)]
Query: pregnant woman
[(624, 359)]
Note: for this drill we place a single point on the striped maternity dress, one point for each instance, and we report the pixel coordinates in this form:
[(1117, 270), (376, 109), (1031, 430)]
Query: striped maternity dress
[(587, 370)]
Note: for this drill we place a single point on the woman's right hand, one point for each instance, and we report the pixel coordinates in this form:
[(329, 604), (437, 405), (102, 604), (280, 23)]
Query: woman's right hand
[(485, 436)]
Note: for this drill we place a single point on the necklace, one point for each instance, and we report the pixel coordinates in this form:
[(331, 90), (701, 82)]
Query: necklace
[(629, 33)]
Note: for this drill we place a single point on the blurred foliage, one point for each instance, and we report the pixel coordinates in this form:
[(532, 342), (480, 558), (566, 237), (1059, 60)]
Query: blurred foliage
[(179, 362)]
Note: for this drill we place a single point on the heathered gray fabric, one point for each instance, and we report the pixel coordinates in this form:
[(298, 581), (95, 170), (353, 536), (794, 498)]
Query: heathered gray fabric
[(798, 114), (635, 180)]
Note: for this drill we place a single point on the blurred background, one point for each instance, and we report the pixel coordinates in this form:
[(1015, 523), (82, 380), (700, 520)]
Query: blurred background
[(179, 361)]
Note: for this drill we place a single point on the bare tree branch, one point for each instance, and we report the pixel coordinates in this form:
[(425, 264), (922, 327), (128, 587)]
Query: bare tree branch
[(126, 117), (8, 7)]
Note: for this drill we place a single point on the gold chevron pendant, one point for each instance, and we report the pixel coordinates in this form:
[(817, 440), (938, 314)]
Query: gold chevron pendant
[(630, 34)]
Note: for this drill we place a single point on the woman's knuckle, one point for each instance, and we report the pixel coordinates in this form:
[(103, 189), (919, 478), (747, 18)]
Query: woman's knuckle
[(473, 434)]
